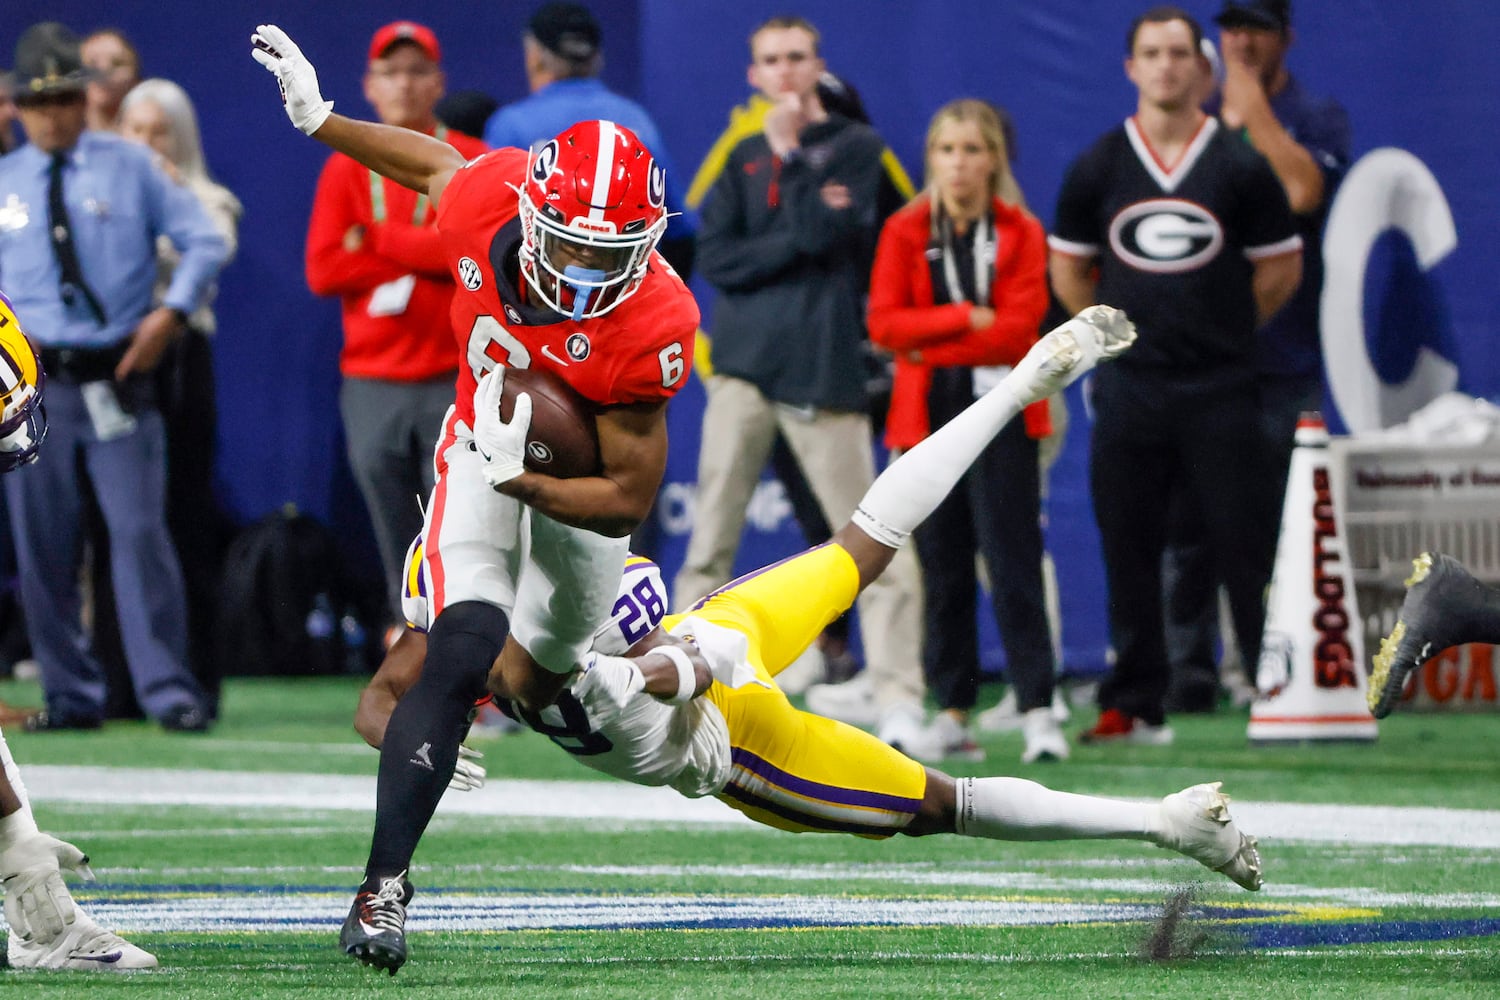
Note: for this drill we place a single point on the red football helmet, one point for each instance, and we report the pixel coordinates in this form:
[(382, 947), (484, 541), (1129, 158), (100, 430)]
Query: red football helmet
[(592, 209)]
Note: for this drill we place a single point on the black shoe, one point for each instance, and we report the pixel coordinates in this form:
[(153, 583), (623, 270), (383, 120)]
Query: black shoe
[(375, 930), (1442, 601), (185, 719), (49, 722)]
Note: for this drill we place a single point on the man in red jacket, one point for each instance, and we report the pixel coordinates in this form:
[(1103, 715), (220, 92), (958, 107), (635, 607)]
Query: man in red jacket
[(374, 244)]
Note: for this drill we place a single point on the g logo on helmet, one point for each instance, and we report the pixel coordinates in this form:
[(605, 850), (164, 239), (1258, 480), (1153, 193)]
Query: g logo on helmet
[(656, 185), (544, 162), (1166, 235)]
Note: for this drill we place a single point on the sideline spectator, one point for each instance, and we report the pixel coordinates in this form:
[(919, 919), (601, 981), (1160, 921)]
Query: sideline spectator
[(832, 658), (787, 235), (1306, 139), (1182, 409), (159, 114), (563, 47), (374, 243), (83, 279), (8, 138), (958, 293), (117, 68)]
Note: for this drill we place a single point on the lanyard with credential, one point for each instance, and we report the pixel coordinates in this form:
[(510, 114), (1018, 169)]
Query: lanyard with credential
[(984, 261), (377, 191)]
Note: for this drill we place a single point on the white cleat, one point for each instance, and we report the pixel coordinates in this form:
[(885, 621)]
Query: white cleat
[(83, 945), (1196, 822), (1099, 333)]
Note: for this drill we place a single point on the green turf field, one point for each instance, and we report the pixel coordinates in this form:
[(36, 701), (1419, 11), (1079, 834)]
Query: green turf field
[(233, 856)]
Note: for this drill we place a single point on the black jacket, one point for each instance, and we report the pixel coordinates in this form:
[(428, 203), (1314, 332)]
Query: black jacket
[(791, 272)]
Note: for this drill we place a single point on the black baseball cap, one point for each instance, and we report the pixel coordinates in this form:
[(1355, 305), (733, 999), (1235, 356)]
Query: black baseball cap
[(1270, 15), (568, 30)]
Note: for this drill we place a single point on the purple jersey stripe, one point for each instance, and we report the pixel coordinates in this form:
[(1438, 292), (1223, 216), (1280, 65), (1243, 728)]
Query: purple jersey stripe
[(834, 794), (738, 794)]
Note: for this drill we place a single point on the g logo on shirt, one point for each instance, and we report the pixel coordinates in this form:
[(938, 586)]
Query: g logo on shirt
[(1166, 235)]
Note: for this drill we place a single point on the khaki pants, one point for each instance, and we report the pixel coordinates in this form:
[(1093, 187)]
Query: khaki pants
[(835, 452)]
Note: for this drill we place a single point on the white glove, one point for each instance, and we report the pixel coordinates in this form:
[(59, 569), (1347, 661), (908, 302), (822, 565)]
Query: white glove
[(37, 903), (273, 49), (467, 775), (615, 677), (502, 445)]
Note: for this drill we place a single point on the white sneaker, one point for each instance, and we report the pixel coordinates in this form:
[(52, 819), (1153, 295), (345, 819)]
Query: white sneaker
[(903, 726), (802, 673), (853, 701), (1196, 822), (1006, 716), (1044, 737), (945, 738), (82, 945)]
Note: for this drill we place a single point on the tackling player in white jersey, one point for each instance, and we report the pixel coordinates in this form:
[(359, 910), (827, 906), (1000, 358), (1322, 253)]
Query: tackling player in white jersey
[(697, 707), (47, 929)]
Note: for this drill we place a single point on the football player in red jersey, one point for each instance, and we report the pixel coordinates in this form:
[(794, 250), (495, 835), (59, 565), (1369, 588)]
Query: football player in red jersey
[(555, 256)]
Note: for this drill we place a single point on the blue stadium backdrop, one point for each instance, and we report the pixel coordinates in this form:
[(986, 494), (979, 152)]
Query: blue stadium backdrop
[(1426, 226)]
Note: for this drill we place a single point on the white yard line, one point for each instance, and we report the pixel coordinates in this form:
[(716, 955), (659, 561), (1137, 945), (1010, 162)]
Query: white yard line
[(619, 802)]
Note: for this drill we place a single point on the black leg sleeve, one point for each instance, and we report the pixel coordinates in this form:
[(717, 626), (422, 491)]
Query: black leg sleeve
[(421, 741)]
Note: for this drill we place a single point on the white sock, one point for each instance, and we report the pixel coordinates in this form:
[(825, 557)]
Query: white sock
[(912, 486), (1017, 809), (19, 823)]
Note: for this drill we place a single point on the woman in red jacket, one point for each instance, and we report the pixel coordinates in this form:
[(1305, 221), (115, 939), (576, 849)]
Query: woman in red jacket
[(958, 293)]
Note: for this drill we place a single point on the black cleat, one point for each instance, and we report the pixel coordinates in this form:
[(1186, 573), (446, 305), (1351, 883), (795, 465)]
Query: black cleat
[(375, 930), (1440, 597)]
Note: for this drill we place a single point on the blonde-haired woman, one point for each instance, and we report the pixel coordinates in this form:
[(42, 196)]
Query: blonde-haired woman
[(958, 293), (159, 114)]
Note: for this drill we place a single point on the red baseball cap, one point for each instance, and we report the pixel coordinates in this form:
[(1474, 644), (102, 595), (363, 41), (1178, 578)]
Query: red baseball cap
[(405, 31)]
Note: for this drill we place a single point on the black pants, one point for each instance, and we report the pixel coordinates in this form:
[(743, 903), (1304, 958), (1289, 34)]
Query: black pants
[(1155, 433), (994, 511), (1191, 586)]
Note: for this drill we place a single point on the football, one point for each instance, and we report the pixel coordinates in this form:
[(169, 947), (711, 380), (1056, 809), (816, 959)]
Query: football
[(563, 440)]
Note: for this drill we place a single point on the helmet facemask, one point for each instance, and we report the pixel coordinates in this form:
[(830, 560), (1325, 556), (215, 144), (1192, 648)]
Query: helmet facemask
[(580, 258), (23, 422)]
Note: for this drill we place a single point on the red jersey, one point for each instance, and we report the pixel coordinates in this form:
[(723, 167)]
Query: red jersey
[(409, 344), (640, 351)]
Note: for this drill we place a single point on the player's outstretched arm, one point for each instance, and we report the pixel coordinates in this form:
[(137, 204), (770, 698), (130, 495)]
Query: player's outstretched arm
[(409, 158)]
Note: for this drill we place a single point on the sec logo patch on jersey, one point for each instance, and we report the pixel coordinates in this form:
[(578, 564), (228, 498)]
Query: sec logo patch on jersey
[(1166, 235), (469, 274)]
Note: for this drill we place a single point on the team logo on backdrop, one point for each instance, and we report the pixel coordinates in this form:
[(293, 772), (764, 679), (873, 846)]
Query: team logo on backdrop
[(578, 347), (469, 273), (1166, 235), (656, 185)]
